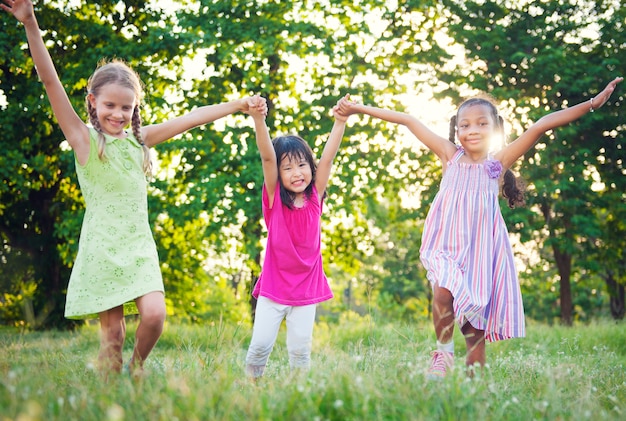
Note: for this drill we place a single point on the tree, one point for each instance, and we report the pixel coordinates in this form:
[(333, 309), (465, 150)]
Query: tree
[(205, 199), (301, 59)]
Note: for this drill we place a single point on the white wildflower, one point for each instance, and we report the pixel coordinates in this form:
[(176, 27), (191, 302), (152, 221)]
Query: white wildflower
[(115, 413)]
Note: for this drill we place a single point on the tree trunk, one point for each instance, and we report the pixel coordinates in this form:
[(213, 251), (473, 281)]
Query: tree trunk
[(616, 296), (564, 265), (49, 303)]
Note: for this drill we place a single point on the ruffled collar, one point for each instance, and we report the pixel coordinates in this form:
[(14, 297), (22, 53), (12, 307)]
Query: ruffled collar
[(491, 165)]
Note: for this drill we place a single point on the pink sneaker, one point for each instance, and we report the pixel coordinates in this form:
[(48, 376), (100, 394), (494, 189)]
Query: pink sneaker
[(442, 362)]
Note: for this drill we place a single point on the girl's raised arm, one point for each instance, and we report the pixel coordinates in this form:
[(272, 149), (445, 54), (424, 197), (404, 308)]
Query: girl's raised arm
[(527, 140), (325, 163), (441, 146), (266, 149), (157, 133), (73, 127)]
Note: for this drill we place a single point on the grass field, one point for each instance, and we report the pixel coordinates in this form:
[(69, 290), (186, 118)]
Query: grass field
[(361, 371)]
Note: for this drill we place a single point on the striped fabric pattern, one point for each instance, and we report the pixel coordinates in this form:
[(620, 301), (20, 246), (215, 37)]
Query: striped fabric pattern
[(466, 249)]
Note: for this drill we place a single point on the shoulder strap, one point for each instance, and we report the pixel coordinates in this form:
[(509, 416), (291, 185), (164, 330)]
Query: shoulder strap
[(459, 153)]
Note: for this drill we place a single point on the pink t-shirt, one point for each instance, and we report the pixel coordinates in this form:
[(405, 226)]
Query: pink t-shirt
[(292, 270)]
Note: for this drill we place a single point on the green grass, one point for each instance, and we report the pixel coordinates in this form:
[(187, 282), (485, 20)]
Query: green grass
[(361, 371)]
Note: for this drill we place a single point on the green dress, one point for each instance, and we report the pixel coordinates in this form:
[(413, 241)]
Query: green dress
[(117, 259)]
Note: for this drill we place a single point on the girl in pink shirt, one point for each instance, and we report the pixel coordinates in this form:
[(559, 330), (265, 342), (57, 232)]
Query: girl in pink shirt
[(292, 281)]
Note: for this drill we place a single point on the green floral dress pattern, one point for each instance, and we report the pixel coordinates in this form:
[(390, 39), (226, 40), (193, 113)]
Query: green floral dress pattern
[(117, 259)]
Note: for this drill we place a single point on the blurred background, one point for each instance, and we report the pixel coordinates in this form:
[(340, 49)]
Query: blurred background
[(422, 57)]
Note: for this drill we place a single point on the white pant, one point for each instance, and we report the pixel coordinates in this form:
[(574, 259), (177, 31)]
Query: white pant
[(269, 316)]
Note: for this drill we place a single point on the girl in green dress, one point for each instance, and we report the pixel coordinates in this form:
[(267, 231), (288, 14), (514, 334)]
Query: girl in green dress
[(117, 265)]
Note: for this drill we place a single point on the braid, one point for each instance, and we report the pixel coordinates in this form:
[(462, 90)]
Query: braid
[(513, 189), (501, 124), (136, 126), (119, 73), (93, 119), (452, 135)]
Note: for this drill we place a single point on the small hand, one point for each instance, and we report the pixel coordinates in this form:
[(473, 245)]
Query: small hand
[(21, 9), (604, 96), (345, 106), (261, 105), (339, 116), (256, 106)]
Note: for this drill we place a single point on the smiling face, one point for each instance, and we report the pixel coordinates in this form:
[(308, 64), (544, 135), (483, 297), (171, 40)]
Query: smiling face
[(114, 93), (296, 169), (295, 173), (476, 125), (114, 105)]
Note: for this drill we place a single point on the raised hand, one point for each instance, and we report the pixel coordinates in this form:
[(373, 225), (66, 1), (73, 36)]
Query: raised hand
[(337, 113), (599, 100), (345, 106), (21, 9), (256, 106)]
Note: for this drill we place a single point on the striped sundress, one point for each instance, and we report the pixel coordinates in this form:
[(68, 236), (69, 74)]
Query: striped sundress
[(466, 249)]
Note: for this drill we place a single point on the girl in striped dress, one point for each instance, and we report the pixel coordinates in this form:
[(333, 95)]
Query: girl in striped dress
[(465, 245)]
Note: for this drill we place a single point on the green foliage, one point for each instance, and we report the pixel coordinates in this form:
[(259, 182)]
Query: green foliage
[(16, 304), (205, 199), (301, 59), (196, 292), (362, 369)]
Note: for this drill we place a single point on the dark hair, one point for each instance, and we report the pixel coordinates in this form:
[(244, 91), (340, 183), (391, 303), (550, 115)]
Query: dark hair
[(293, 146), (512, 188)]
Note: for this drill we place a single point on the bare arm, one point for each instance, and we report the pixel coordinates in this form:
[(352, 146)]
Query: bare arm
[(266, 150), (158, 133), (527, 140), (441, 146), (325, 164), (74, 129)]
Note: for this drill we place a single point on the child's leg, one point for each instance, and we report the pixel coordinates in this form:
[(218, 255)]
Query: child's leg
[(300, 321), (443, 320), (475, 342), (152, 317), (443, 314), (112, 335), (268, 317)]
